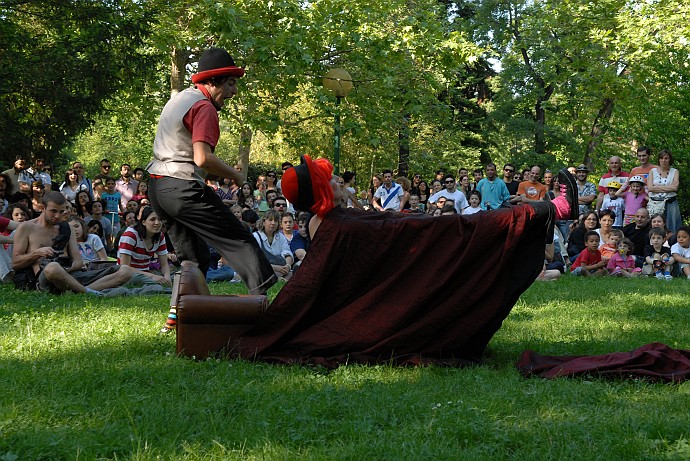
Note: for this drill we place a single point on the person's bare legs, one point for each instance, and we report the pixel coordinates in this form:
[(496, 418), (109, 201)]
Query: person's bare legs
[(119, 278), (61, 279)]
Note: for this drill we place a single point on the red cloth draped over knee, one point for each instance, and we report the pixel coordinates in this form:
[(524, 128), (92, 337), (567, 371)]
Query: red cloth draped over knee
[(407, 289)]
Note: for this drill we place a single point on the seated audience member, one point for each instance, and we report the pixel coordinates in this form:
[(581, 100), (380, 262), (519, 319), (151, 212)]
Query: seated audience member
[(287, 226), (658, 221), (614, 203), (96, 228), (609, 249), (589, 261), (228, 191), (553, 257), (82, 203), (274, 244), (6, 226), (414, 205), (98, 188), (270, 197), (576, 239), (130, 220), (220, 270), (97, 215), (251, 218), (300, 239), (17, 212), (247, 203), (475, 199), (658, 259), (635, 197), (606, 220), (406, 186), (237, 211), (139, 174), (349, 198), (37, 245), (638, 233), (448, 209), (681, 250), (553, 264), (91, 247), (133, 205), (139, 245), (622, 263), (142, 192), (68, 212)]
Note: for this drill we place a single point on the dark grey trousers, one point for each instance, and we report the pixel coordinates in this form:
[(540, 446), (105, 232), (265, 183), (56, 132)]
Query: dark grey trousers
[(196, 217)]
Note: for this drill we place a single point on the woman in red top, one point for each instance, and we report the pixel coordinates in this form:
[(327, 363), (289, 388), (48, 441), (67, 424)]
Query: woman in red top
[(141, 242)]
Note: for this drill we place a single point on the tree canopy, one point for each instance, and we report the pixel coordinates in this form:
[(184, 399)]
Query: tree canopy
[(448, 83), (61, 62)]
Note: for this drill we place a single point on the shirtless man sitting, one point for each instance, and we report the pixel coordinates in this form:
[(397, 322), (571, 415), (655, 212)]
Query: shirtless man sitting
[(35, 258)]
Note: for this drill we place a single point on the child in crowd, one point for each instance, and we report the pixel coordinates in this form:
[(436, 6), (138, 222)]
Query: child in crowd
[(90, 245), (111, 197), (609, 249), (142, 192), (247, 203), (414, 205), (657, 255), (681, 250), (614, 203), (589, 262), (97, 215), (635, 197), (622, 263), (97, 188), (475, 199), (250, 217), (300, 239)]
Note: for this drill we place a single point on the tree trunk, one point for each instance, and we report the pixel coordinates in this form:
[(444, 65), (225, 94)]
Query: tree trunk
[(180, 59), (404, 146), (245, 147), (599, 128)]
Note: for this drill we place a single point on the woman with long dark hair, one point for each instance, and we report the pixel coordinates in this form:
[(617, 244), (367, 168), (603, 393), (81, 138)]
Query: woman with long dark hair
[(82, 203), (576, 240), (142, 242), (71, 185)]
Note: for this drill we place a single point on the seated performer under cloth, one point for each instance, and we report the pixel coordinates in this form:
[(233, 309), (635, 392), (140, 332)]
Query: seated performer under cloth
[(358, 298)]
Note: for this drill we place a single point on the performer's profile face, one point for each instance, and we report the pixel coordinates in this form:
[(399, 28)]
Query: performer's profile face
[(337, 191)]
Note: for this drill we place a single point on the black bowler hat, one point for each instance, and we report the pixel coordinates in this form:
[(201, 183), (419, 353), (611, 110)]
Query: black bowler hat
[(216, 62)]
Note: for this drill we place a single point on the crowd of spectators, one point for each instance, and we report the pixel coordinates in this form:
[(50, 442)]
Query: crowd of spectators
[(630, 223)]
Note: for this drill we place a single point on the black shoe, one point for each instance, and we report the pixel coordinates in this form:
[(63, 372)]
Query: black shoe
[(564, 177)]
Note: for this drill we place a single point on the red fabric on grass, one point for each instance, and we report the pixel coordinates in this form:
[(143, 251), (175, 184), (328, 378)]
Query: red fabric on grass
[(655, 361), (404, 289)]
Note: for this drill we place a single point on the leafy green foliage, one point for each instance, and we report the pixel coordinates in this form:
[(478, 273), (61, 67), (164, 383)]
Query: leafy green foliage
[(63, 61)]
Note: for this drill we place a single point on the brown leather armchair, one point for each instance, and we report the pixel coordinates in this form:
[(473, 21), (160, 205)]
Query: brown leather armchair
[(206, 323)]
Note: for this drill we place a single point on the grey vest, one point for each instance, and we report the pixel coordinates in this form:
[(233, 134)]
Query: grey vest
[(173, 154)]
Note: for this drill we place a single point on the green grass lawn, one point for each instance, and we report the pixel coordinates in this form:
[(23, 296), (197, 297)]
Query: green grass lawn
[(87, 378)]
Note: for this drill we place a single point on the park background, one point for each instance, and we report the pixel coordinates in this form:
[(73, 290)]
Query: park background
[(437, 84)]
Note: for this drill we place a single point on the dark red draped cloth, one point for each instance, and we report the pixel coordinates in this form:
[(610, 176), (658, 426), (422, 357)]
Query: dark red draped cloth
[(404, 289), (654, 361)]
